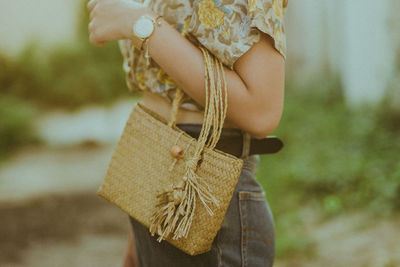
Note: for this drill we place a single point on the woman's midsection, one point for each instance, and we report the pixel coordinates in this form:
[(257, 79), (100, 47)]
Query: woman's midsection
[(163, 107)]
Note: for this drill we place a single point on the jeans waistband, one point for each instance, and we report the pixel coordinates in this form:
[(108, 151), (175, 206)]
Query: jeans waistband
[(251, 163)]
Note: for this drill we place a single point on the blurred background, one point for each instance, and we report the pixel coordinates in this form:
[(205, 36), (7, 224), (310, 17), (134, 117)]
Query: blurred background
[(334, 189)]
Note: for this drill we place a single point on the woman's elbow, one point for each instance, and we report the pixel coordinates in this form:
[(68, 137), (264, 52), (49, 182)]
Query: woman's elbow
[(263, 124)]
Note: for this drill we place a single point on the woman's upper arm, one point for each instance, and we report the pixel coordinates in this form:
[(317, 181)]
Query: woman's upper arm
[(262, 70), (248, 36), (229, 28)]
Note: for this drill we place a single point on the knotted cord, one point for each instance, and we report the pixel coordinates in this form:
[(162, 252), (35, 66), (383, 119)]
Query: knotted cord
[(177, 206)]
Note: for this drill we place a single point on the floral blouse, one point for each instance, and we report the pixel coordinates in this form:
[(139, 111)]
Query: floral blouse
[(227, 28)]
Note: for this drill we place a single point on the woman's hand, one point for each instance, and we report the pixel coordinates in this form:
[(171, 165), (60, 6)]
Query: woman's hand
[(112, 19)]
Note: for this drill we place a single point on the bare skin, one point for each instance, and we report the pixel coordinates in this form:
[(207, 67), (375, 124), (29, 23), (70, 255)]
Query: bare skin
[(130, 255), (255, 85)]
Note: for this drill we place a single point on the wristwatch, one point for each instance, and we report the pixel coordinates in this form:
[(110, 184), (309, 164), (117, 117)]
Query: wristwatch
[(143, 28)]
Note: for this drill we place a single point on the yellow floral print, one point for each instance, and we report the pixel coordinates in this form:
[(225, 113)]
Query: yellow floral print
[(278, 8), (252, 6), (277, 35), (225, 27), (164, 78), (185, 26), (210, 15), (141, 80)]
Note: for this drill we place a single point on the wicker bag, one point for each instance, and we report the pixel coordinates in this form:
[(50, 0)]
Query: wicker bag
[(177, 186)]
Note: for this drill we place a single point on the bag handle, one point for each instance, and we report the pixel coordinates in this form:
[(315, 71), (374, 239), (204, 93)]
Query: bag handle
[(216, 100), (175, 210), (175, 107)]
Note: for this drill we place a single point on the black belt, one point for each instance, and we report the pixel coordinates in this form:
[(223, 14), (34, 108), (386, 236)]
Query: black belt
[(232, 141)]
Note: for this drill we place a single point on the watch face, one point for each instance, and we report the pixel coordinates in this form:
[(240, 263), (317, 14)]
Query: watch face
[(143, 27)]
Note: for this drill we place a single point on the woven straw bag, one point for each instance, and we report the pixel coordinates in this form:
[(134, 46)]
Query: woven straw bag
[(183, 197)]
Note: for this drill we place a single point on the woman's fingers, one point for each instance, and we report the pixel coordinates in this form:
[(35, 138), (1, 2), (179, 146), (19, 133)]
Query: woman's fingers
[(91, 5), (90, 26), (101, 44), (94, 37), (94, 40), (91, 15)]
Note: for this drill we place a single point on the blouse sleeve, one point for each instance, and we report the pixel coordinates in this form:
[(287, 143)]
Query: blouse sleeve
[(228, 28)]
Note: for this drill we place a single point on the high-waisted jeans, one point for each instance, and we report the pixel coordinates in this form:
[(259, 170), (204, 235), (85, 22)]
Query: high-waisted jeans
[(246, 237)]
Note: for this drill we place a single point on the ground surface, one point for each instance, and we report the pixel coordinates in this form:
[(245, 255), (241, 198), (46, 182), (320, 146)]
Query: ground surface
[(51, 216)]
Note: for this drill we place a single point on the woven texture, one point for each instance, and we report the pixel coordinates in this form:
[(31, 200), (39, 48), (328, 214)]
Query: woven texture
[(177, 186), (137, 173)]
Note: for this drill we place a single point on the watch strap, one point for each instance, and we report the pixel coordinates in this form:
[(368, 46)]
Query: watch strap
[(138, 41)]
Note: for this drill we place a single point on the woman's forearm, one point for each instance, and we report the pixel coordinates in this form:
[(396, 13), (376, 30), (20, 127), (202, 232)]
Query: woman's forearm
[(183, 62), (255, 86)]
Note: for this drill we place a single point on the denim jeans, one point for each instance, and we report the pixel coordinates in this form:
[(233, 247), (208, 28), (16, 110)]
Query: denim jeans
[(246, 237)]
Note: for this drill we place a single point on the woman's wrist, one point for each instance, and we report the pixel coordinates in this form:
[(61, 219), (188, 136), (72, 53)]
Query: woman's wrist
[(137, 13)]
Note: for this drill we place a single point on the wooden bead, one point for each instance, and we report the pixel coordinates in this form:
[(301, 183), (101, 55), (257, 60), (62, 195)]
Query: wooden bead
[(176, 151)]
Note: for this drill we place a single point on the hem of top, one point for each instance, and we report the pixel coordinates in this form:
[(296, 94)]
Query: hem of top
[(276, 46)]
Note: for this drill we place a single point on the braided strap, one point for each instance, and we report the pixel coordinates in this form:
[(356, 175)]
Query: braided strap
[(176, 207)]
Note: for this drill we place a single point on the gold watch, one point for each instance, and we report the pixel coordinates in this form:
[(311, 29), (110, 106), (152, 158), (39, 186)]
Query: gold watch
[(143, 28)]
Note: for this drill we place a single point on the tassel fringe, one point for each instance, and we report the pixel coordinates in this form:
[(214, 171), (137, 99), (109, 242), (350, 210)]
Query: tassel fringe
[(176, 207)]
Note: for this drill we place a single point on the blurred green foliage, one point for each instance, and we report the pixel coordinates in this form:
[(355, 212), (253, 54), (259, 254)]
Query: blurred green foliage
[(66, 77), (335, 158), (16, 124)]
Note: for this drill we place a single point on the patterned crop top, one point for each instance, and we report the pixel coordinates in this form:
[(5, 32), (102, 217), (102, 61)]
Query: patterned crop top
[(227, 28)]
